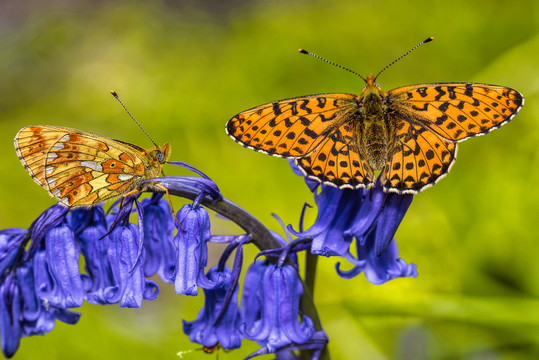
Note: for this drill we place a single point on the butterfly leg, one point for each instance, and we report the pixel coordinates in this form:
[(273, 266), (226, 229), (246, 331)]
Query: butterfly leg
[(170, 203), (132, 192), (118, 214)]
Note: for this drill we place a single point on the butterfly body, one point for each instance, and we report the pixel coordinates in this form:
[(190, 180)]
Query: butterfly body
[(83, 169), (410, 134), (375, 129)]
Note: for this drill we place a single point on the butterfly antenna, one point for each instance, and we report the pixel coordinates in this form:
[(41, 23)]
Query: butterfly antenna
[(125, 108), (331, 62), (400, 57)]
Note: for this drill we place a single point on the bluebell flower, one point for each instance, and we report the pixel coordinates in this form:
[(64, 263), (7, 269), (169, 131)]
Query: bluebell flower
[(191, 243), (10, 297), (10, 313), (56, 263), (378, 269), (371, 217), (124, 255), (39, 315), (382, 213), (90, 227), (270, 306), (207, 329), (251, 306), (22, 312), (158, 235), (337, 211), (376, 248)]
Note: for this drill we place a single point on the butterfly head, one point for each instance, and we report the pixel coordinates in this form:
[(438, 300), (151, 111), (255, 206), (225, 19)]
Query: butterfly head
[(160, 154), (371, 83), (372, 96)]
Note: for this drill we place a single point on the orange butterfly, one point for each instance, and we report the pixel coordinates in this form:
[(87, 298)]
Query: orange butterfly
[(82, 169), (409, 133)]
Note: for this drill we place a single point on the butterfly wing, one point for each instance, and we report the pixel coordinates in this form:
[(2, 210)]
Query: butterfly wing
[(456, 111), (338, 161), (80, 168), (292, 127), (431, 118), (418, 159)]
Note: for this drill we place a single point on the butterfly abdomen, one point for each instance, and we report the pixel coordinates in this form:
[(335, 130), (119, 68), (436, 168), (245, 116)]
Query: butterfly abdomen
[(374, 131), (375, 143)]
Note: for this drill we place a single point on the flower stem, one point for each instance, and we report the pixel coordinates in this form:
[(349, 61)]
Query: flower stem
[(307, 305), (310, 270)]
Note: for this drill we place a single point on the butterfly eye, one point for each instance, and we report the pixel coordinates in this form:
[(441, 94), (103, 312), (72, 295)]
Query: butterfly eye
[(160, 157)]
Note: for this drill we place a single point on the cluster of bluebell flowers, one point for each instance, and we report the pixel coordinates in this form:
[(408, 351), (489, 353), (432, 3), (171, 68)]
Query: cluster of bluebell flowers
[(41, 279), (371, 218)]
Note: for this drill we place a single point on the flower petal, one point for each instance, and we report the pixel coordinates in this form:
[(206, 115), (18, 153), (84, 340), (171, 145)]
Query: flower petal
[(10, 313), (276, 303), (191, 247), (158, 245), (56, 270), (205, 330)]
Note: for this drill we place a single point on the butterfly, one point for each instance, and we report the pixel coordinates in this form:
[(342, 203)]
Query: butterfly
[(83, 169), (409, 134)]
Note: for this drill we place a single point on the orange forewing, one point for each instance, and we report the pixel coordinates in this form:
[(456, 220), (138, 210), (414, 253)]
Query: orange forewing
[(292, 127)]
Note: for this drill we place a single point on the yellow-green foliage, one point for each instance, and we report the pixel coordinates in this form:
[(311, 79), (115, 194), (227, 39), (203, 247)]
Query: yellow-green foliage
[(184, 68)]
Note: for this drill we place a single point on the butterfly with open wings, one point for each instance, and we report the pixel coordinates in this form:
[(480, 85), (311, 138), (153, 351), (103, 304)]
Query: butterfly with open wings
[(410, 134)]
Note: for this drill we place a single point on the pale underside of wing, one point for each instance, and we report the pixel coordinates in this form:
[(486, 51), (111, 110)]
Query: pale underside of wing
[(76, 167)]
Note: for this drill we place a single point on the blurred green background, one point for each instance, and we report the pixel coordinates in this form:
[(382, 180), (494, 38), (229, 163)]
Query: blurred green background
[(185, 67)]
